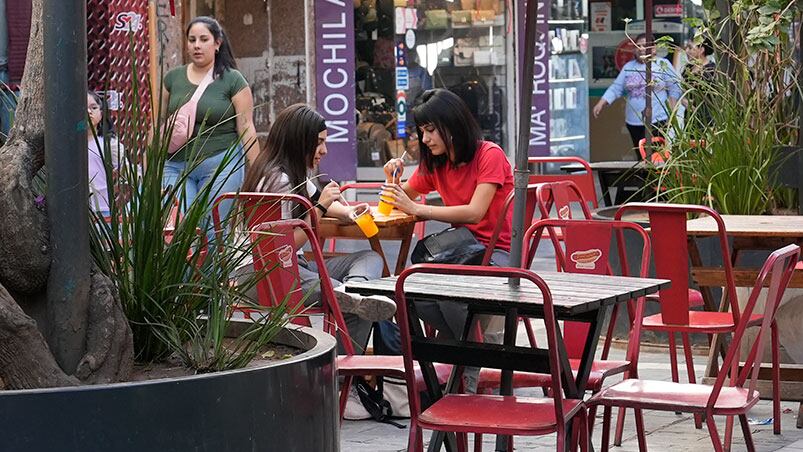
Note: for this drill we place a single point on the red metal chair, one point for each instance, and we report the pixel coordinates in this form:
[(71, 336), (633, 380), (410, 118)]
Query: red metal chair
[(505, 216), (483, 413), (420, 227), (733, 397), (671, 257), (584, 181), (274, 254)]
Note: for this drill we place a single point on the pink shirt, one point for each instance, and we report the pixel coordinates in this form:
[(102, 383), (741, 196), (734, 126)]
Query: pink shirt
[(456, 186)]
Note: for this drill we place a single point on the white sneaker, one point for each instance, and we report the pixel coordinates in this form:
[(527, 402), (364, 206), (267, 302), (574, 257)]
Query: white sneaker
[(355, 411), (373, 308)]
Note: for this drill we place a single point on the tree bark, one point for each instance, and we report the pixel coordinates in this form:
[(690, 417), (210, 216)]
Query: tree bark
[(25, 357)]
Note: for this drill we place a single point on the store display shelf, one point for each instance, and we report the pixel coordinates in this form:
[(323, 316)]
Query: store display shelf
[(568, 138), (566, 21), (566, 80)]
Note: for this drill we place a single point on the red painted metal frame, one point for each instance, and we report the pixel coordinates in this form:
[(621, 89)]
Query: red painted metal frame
[(584, 181), (452, 413), (732, 398)]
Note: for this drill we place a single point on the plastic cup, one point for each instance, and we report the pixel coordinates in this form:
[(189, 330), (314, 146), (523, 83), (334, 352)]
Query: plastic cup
[(365, 221), (384, 207)]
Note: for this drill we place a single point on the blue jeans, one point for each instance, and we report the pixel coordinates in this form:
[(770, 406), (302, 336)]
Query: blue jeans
[(229, 180)]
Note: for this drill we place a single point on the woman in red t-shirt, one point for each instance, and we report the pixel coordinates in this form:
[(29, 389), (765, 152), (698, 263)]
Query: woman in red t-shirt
[(472, 176)]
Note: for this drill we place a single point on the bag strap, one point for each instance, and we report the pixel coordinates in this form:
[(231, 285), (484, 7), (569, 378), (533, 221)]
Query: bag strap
[(372, 400), (205, 82)]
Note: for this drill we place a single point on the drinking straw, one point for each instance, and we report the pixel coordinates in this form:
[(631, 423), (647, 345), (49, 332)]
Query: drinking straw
[(397, 168)]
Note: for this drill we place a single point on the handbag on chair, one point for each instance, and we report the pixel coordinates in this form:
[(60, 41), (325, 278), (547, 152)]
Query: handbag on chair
[(450, 246)]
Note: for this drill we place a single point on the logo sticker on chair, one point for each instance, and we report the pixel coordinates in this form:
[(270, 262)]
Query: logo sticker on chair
[(565, 213), (285, 254), (586, 259)]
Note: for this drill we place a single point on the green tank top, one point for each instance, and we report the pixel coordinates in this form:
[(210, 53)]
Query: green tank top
[(215, 118)]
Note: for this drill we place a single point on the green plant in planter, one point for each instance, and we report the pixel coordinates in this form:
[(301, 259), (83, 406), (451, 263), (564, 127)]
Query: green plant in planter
[(740, 114), (175, 287)]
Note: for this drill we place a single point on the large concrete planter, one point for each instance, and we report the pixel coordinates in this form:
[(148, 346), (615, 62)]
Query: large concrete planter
[(283, 406)]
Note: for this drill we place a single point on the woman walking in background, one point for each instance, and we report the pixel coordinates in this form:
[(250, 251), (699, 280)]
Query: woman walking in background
[(224, 115), (632, 83)]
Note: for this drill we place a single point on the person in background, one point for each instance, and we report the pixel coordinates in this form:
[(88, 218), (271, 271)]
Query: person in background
[(632, 83), (224, 114), (98, 180), (473, 178)]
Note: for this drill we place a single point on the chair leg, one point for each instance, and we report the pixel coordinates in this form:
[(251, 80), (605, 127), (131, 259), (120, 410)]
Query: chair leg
[(712, 430), (642, 439), (728, 433), (590, 418), (776, 380), (606, 346), (673, 359), (620, 426), (462, 442), (606, 428), (698, 422), (584, 433), (478, 442), (528, 327), (748, 436)]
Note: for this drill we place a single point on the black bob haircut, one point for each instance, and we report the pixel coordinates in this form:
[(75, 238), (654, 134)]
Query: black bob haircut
[(454, 122)]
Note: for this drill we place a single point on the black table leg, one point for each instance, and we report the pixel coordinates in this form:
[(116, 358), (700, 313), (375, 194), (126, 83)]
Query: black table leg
[(506, 385)]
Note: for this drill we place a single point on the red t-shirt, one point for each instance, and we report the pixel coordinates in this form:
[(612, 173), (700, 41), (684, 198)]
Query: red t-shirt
[(456, 186)]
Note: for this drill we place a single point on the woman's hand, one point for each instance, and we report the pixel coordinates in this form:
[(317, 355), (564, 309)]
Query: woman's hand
[(329, 194), (598, 107), (400, 199), (392, 165)]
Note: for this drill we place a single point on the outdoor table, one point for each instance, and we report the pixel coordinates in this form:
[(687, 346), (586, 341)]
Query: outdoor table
[(576, 297), (396, 226), (749, 233), (626, 176)]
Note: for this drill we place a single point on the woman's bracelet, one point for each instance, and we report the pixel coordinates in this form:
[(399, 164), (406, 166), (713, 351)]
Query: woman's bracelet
[(322, 208)]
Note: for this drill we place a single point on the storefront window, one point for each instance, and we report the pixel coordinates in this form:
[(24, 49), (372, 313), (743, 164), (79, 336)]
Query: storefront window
[(405, 47)]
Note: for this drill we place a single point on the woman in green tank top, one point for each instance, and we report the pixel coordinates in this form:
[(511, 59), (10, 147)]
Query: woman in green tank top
[(224, 116)]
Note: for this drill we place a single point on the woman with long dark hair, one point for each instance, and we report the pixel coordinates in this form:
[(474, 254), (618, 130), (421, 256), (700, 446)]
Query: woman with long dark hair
[(473, 177), (294, 148), (224, 113)]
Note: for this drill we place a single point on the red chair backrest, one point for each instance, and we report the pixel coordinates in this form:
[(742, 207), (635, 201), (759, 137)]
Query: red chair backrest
[(586, 249), (559, 196), (670, 250), (584, 181), (406, 330), (275, 255), (506, 215)]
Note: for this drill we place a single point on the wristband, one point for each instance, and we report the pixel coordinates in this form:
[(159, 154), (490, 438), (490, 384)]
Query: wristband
[(322, 208)]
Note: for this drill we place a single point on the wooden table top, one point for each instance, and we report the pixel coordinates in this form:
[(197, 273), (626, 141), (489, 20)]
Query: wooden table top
[(572, 293), (396, 218), (750, 225)]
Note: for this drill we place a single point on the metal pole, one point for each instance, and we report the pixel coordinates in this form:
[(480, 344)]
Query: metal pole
[(65, 73), (522, 173), (648, 11)]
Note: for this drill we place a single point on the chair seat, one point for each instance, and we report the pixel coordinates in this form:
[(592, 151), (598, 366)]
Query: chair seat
[(699, 322), (386, 366), (495, 414), (670, 396), (600, 369)]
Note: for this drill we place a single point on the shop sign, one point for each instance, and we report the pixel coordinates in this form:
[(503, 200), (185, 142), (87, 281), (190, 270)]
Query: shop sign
[(402, 78), (669, 10), (335, 88), (539, 111), (126, 21), (600, 16), (401, 114)]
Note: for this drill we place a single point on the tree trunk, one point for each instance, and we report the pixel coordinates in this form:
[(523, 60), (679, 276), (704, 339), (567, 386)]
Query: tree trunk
[(25, 358)]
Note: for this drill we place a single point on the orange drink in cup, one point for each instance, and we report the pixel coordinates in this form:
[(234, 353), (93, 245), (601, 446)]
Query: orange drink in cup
[(384, 207), (362, 216)]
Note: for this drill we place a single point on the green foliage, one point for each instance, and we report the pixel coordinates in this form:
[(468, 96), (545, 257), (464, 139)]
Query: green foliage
[(739, 116), (176, 289)]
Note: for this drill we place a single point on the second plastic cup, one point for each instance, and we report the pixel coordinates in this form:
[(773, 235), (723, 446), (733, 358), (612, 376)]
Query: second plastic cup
[(365, 221)]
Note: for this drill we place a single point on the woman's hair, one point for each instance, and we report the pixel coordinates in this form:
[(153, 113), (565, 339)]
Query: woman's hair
[(106, 125), (290, 149), (445, 111), (224, 58)]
